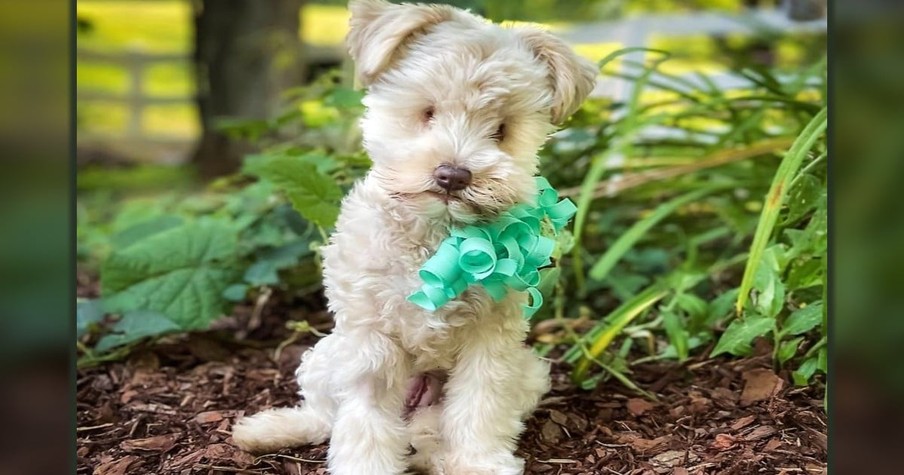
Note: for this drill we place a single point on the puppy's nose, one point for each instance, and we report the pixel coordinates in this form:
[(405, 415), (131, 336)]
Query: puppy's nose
[(452, 178)]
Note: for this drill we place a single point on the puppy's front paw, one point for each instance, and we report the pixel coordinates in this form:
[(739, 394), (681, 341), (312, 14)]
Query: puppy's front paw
[(493, 464)]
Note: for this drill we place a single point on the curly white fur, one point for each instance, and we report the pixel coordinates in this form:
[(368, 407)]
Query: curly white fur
[(441, 83)]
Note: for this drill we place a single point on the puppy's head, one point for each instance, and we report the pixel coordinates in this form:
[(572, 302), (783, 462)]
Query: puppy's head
[(458, 107)]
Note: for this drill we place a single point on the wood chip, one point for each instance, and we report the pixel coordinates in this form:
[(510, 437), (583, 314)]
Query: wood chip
[(551, 432), (117, 467), (743, 422), (638, 407), (723, 442), (759, 385), (159, 443), (760, 432)]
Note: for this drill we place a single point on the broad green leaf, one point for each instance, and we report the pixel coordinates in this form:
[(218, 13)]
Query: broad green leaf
[(806, 371), (314, 195), (804, 197), (87, 313), (344, 98), (180, 273), (740, 333), (265, 271), (804, 273), (235, 292), (775, 198), (803, 320), (770, 295), (822, 360), (690, 303), (788, 349), (720, 307), (134, 326), (143, 230)]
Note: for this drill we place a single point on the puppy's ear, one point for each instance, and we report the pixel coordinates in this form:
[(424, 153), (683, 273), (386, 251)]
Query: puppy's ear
[(378, 28), (572, 76)]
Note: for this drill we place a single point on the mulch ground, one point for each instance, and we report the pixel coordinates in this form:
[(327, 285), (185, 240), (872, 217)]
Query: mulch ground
[(168, 409)]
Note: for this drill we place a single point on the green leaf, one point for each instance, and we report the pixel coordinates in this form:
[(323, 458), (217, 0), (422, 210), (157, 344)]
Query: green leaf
[(344, 98), (690, 303), (143, 230), (315, 195), (265, 271), (678, 336), (803, 320), (720, 307), (180, 273), (235, 292), (770, 295), (134, 326), (87, 313), (806, 371), (806, 195), (740, 333), (775, 199), (788, 349)]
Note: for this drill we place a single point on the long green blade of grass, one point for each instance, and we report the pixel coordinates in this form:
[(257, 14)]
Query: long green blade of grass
[(775, 198), (627, 240), (619, 318), (626, 130)]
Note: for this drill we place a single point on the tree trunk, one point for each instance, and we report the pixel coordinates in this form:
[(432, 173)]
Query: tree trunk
[(247, 52)]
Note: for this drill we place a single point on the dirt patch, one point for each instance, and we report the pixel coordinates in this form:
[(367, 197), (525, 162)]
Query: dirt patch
[(169, 409)]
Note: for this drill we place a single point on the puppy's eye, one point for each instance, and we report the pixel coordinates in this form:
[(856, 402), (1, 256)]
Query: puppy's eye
[(499, 134), (427, 115)]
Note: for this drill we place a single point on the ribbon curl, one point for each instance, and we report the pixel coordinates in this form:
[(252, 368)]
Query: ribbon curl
[(505, 254)]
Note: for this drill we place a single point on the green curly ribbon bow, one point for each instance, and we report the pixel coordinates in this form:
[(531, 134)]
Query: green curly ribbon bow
[(505, 254)]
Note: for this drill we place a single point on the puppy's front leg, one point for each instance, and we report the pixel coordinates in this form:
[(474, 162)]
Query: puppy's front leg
[(369, 434), (495, 384)]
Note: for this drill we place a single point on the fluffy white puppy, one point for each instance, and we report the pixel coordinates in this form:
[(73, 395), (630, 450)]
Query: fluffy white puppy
[(456, 110)]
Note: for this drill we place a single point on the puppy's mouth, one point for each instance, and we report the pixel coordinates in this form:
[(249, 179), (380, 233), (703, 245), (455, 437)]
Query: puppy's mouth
[(444, 197)]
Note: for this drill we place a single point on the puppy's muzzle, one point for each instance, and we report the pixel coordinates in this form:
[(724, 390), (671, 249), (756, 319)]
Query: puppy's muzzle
[(452, 178)]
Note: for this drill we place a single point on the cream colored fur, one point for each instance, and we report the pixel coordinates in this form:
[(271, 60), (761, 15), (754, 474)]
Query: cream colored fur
[(440, 83)]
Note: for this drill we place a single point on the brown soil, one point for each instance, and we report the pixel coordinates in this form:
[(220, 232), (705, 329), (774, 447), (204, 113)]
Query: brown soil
[(169, 407)]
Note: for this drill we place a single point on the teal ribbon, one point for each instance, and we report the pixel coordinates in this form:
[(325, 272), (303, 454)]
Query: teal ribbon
[(502, 255)]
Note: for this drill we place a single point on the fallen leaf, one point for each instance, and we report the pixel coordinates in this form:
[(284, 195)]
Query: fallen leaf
[(158, 443), (759, 385), (638, 407), (116, 467), (680, 471)]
